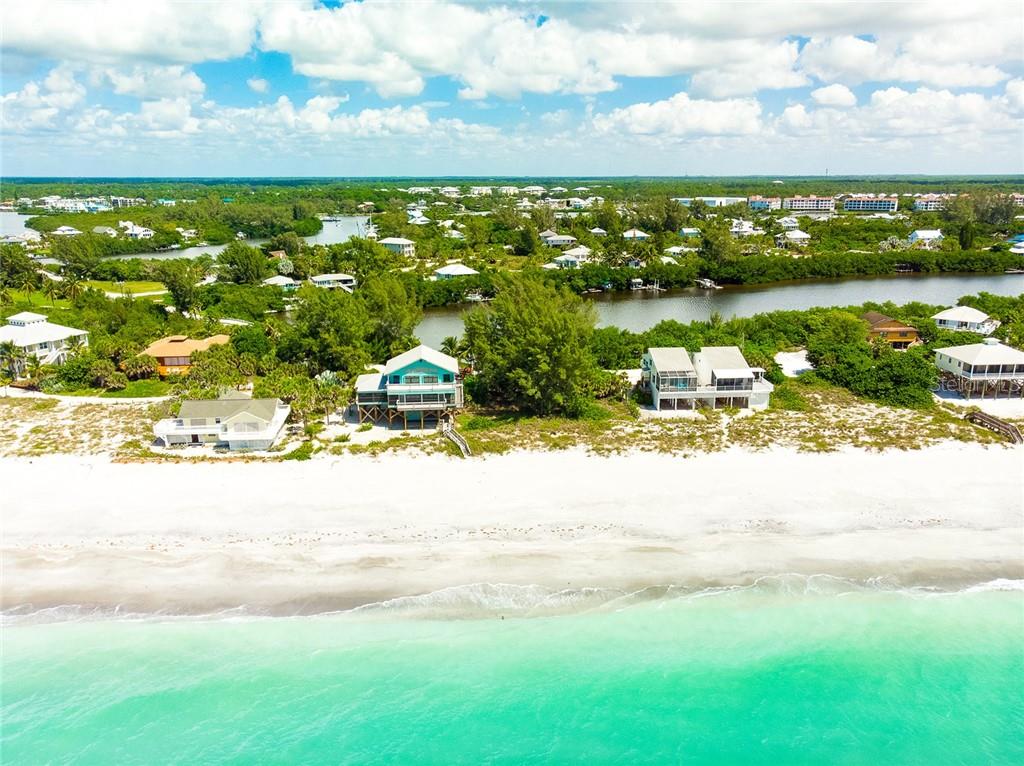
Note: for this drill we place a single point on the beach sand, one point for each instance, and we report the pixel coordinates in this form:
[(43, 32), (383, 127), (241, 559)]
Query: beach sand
[(291, 538)]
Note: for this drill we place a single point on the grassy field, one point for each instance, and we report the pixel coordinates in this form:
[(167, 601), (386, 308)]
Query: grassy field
[(130, 287), (136, 389), (36, 300)]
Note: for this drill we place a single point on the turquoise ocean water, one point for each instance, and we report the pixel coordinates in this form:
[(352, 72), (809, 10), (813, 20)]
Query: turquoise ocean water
[(779, 673)]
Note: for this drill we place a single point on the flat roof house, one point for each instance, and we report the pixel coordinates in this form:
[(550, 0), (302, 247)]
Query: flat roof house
[(715, 377), (892, 331), (337, 281), (35, 335), (417, 386), (238, 424), (399, 245), (966, 319), (173, 354), (989, 367)]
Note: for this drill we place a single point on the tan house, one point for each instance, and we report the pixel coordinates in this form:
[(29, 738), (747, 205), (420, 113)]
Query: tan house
[(173, 354), (892, 331), (238, 424)]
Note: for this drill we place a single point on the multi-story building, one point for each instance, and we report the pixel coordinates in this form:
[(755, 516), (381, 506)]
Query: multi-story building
[(334, 281), (930, 203), (235, 423), (400, 245), (810, 204), (715, 377), (983, 368), (35, 336), (764, 203), (710, 201), (892, 331), (868, 203), (173, 354), (420, 385)]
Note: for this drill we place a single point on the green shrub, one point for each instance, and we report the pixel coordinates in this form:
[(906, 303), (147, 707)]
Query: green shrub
[(303, 452)]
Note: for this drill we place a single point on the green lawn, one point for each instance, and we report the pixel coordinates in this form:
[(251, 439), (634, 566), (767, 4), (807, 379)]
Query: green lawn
[(131, 287), (37, 300), (136, 389)]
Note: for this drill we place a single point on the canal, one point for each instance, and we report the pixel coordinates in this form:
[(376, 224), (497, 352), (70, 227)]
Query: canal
[(640, 311)]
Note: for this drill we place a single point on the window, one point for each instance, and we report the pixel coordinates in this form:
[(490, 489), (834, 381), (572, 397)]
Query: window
[(396, 379), (428, 379), (447, 377)]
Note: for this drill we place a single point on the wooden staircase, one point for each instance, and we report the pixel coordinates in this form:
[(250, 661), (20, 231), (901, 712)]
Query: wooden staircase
[(449, 432), (1009, 430)]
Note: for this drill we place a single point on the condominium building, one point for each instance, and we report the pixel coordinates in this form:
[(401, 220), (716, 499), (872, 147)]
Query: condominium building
[(868, 203), (764, 203), (810, 204)]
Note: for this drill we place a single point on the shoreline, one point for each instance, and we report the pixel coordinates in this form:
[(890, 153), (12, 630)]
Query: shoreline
[(337, 534)]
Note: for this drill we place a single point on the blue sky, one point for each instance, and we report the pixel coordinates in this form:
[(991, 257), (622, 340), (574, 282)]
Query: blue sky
[(296, 87)]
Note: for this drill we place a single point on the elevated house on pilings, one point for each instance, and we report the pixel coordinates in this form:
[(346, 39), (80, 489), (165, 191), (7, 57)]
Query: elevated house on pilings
[(421, 386), (984, 369)]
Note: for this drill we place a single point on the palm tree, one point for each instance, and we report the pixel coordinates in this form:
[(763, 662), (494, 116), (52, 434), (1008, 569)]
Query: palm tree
[(28, 286), (33, 367), (5, 296), (12, 357), (452, 346), (72, 287), (52, 290)]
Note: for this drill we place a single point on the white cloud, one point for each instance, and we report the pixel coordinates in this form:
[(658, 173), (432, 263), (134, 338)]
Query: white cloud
[(152, 82), (36, 106), (681, 115), (257, 84), (852, 60), (834, 95), (117, 31)]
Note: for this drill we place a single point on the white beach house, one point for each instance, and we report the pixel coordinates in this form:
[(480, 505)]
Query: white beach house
[(280, 280), (986, 368), (925, 237), (635, 235), (399, 245), (560, 240), (793, 238), (715, 376), (38, 337), (238, 424), (345, 282), (453, 270), (966, 319)]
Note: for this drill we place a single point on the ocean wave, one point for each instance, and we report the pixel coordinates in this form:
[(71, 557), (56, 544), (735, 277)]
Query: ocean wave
[(500, 600)]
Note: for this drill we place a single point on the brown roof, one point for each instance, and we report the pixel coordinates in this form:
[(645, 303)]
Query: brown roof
[(182, 345), (875, 319)]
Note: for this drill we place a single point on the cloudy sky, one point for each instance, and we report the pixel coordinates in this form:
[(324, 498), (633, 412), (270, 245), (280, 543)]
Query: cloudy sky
[(435, 87)]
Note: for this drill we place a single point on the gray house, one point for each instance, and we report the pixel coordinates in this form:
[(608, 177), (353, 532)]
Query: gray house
[(238, 424), (715, 377)]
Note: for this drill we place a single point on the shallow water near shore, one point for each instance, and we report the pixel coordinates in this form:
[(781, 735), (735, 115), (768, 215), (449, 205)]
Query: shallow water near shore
[(788, 671)]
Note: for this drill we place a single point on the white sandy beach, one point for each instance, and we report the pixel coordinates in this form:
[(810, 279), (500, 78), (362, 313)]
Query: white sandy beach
[(329, 534)]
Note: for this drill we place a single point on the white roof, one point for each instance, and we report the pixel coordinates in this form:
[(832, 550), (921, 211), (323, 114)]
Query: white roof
[(280, 280), (961, 314), (671, 359), (456, 270), (725, 361), (989, 351), (395, 241), (634, 234), (598, 230), (371, 381), (29, 329), (581, 251), (425, 354), (564, 239), (332, 278), (926, 233), (797, 234)]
